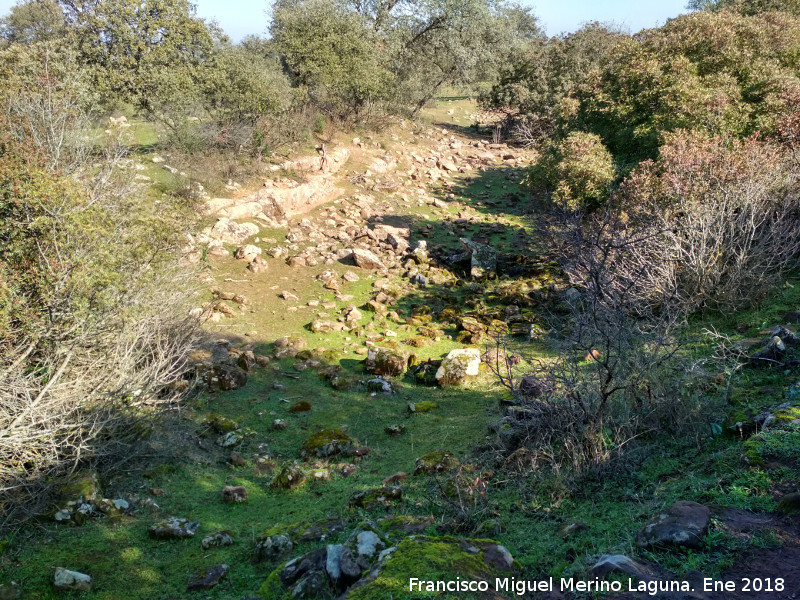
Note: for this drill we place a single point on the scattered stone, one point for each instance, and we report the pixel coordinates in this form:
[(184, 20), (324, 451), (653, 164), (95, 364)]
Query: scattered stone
[(237, 460), (229, 440), (439, 461), (173, 528), (376, 497), (396, 478), (209, 578), (395, 429), (289, 477), (328, 442), (230, 232), (422, 407), (483, 259), (379, 385), (235, 494), (280, 424), (619, 564), (386, 362), (247, 252), (288, 346), (227, 377), (351, 277), (271, 548), (217, 540), (71, 581), (682, 524), (257, 265)]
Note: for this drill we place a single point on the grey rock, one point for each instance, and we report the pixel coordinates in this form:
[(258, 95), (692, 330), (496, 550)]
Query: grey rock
[(71, 581), (333, 561), (682, 524), (208, 578), (621, 565), (217, 540), (272, 548), (367, 543), (173, 528)]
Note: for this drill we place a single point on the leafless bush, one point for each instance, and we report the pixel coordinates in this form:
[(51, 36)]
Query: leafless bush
[(719, 221), (94, 324), (83, 395), (530, 131), (45, 101), (461, 496), (614, 377)]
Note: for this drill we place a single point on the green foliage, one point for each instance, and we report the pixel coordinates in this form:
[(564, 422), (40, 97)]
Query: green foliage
[(717, 72), (578, 171), (33, 21), (331, 53), (150, 54), (246, 85), (538, 81)]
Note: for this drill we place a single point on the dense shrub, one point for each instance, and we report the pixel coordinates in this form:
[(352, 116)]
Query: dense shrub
[(722, 73), (93, 319), (718, 219), (578, 171), (332, 54), (537, 82)]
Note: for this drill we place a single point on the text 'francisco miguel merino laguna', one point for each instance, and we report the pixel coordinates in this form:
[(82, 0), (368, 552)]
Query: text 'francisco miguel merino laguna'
[(523, 586)]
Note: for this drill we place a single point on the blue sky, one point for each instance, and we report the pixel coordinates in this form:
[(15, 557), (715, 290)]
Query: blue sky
[(242, 17)]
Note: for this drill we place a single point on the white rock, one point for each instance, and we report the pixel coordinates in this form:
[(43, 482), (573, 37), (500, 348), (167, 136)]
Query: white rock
[(71, 580)]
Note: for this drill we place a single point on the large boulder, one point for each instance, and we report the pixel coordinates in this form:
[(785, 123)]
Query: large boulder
[(387, 362), (682, 524), (367, 260), (231, 232), (483, 261), (458, 366)]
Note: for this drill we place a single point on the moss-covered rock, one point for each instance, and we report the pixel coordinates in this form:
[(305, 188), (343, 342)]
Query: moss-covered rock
[(404, 525), (376, 497), (789, 504), (425, 373), (306, 531), (422, 407), (441, 559), (221, 424), (774, 445), (328, 442), (388, 361), (289, 477), (436, 462), (458, 366), (84, 485), (173, 528)]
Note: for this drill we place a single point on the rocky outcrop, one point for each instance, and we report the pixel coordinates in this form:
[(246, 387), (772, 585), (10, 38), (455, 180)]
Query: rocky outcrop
[(280, 198)]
